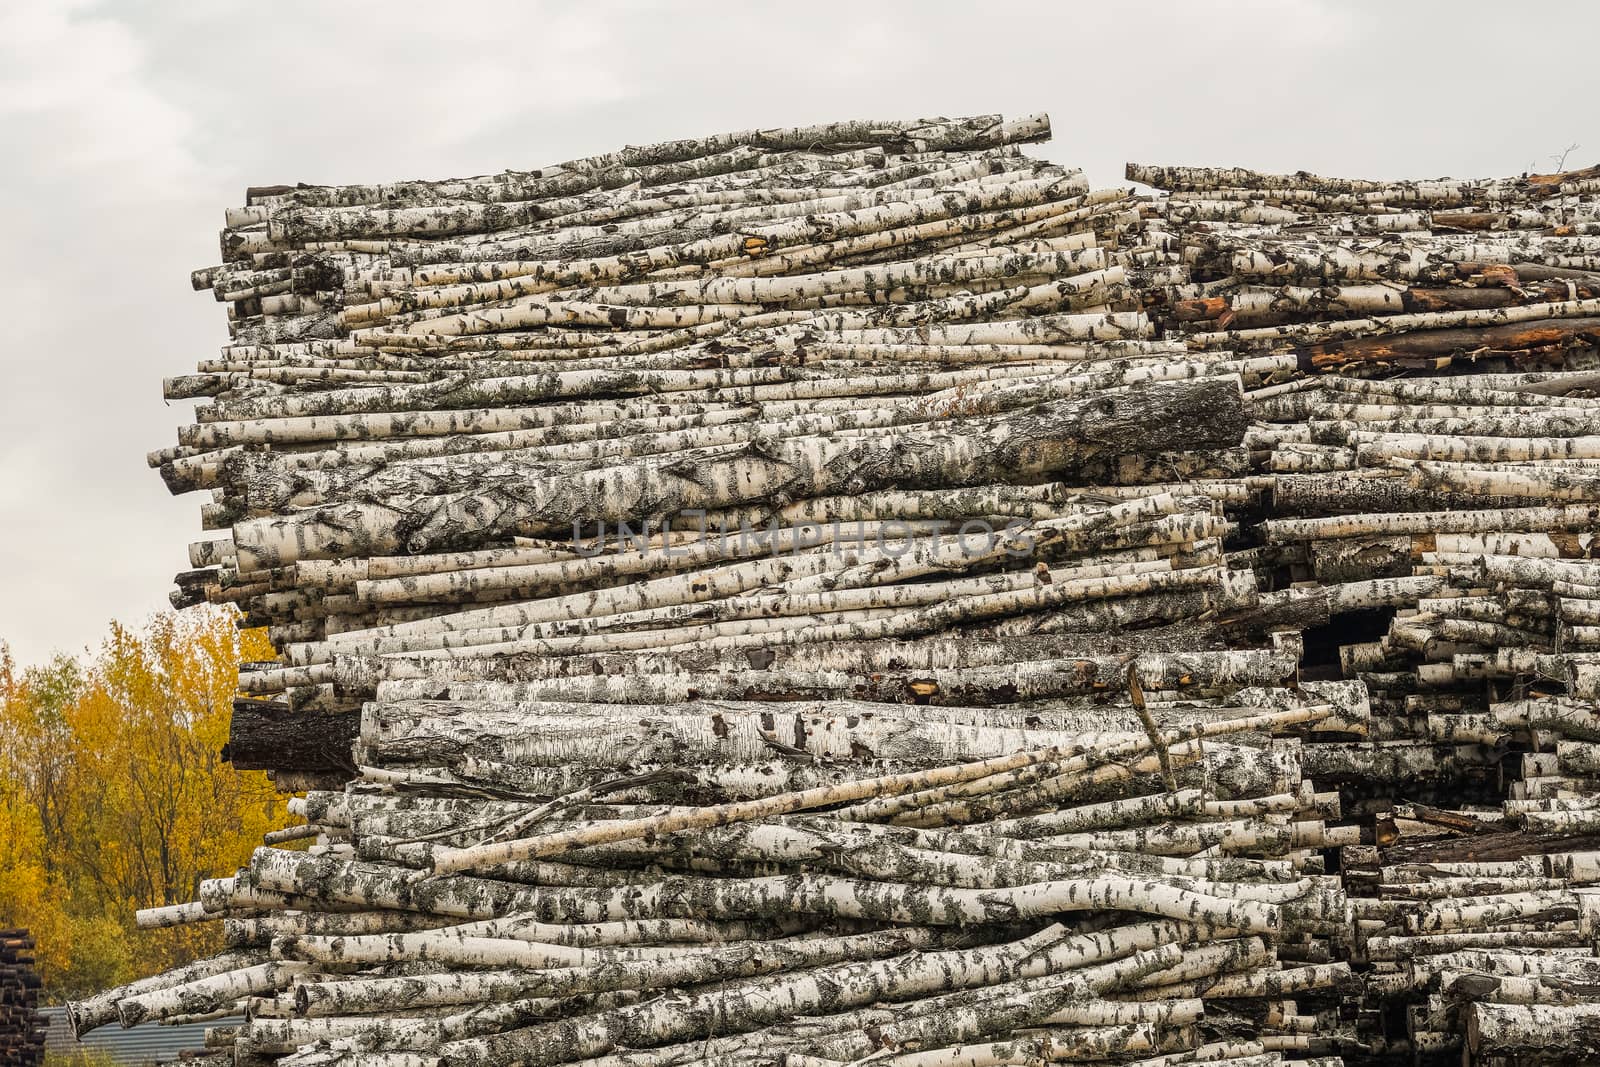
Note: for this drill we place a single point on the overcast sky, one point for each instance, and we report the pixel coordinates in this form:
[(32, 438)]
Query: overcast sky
[(128, 128)]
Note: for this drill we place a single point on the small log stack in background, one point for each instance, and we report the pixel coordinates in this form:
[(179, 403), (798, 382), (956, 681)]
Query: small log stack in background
[(22, 1027), (1070, 597)]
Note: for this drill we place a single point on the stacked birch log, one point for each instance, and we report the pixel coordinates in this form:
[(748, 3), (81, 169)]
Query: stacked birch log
[(922, 912), (22, 1027), (808, 595), (1435, 462)]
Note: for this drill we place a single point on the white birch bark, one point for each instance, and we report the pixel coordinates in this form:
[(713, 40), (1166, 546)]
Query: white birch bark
[(799, 466), (91, 1012), (203, 995), (1537, 1030), (1533, 519), (552, 976), (649, 1026)]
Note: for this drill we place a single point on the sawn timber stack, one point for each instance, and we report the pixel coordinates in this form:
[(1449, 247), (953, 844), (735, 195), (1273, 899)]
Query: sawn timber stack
[(807, 595)]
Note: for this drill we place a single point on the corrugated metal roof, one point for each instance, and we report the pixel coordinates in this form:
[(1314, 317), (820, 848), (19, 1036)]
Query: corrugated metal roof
[(144, 1044)]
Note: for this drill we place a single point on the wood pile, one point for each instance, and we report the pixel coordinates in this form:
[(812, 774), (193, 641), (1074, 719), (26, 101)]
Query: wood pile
[(803, 596), (22, 1027), (1435, 461)]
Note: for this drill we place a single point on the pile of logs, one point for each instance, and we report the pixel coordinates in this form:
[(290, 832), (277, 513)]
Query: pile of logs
[(855, 592), (22, 1027), (1434, 461), (1019, 873)]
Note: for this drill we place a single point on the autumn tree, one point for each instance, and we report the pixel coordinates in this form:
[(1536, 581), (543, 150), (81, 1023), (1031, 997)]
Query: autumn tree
[(113, 794)]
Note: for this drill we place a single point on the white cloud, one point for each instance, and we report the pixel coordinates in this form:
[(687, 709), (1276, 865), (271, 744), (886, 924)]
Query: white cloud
[(72, 87), (98, 171)]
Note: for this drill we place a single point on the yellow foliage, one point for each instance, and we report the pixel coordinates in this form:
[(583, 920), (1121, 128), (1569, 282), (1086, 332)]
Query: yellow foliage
[(114, 797), (80, 1057)]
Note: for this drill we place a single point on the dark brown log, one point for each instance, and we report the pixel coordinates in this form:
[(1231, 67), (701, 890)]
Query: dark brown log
[(265, 735), (1510, 337), (1487, 848)]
